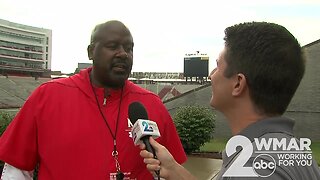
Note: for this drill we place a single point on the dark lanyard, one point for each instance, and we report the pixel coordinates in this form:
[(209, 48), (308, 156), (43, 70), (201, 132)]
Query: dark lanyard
[(119, 175)]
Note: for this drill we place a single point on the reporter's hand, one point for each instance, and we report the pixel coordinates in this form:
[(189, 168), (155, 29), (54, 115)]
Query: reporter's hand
[(169, 168), (165, 162)]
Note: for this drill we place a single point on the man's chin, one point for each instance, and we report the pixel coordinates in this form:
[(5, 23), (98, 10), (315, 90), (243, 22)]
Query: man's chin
[(117, 82)]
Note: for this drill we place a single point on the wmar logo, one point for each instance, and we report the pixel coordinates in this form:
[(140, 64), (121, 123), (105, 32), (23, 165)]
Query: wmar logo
[(287, 151)]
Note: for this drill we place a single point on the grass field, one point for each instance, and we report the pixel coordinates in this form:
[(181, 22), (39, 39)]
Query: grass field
[(315, 147), (215, 145), (218, 145)]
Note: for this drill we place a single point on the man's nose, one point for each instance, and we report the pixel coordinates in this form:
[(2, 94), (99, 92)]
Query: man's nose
[(122, 52), (212, 72)]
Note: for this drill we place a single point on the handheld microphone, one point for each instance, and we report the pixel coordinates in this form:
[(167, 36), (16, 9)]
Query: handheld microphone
[(142, 128)]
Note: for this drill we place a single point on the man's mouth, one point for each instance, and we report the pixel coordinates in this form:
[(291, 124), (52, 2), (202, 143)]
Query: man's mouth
[(119, 67)]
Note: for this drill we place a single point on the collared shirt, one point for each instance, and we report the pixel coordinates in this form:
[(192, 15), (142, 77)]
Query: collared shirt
[(287, 166)]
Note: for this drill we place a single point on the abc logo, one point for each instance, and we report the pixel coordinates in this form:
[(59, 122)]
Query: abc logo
[(264, 165)]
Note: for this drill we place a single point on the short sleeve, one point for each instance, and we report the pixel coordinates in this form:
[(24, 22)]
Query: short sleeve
[(18, 144)]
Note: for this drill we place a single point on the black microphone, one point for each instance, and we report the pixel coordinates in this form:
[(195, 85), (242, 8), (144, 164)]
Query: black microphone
[(143, 128), (137, 111)]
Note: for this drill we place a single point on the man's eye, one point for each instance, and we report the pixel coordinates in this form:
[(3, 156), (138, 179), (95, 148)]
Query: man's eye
[(128, 48), (113, 47)]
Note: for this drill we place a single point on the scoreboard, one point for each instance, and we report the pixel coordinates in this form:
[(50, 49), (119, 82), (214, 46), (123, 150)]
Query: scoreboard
[(196, 66)]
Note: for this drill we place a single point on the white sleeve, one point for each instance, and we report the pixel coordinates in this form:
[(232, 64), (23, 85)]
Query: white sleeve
[(11, 173)]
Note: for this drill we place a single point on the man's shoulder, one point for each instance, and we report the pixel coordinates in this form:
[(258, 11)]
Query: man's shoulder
[(276, 135), (54, 87), (59, 82)]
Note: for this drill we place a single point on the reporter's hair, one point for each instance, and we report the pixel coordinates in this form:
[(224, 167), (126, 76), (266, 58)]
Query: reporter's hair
[(271, 59)]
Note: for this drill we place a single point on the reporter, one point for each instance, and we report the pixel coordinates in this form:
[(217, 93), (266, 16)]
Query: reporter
[(257, 74)]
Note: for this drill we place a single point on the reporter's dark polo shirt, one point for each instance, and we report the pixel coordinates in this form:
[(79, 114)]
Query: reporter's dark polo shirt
[(277, 127)]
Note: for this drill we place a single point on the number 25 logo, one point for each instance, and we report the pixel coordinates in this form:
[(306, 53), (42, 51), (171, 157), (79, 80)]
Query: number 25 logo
[(146, 126)]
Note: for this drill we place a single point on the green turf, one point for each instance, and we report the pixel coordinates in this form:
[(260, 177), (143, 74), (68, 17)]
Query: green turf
[(215, 145), (315, 147)]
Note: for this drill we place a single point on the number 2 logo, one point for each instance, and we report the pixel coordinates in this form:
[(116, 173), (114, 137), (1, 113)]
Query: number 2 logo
[(146, 126), (237, 168)]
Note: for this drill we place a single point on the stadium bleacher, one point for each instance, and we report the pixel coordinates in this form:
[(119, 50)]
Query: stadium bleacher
[(14, 90)]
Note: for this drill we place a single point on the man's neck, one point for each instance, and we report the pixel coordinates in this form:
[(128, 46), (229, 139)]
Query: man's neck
[(239, 124), (96, 83), (240, 118)]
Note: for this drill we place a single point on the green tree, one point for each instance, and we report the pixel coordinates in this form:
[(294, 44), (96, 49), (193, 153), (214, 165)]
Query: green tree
[(195, 125), (5, 119)]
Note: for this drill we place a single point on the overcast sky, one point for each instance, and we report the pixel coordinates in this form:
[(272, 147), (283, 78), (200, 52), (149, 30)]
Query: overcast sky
[(163, 31)]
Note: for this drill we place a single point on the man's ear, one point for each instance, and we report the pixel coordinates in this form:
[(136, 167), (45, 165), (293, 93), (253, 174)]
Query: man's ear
[(240, 85), (90, 49)]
